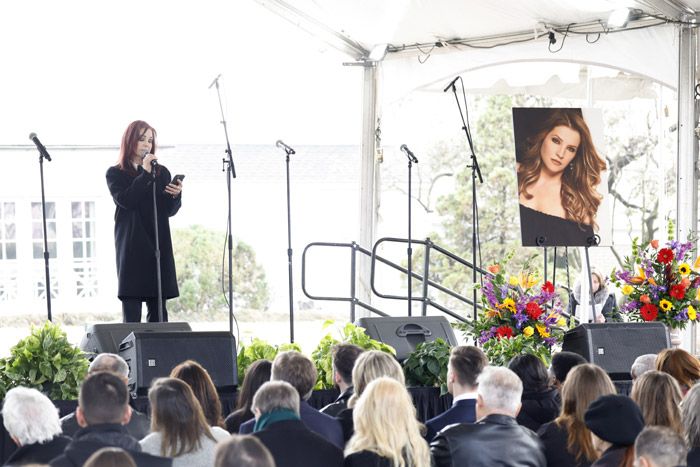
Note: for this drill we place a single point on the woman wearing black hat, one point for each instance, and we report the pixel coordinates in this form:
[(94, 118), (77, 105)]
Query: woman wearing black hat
[(615, 422)]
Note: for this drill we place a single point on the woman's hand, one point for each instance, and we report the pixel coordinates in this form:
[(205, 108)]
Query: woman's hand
[(174, 189), (600, 319), (146, 162)]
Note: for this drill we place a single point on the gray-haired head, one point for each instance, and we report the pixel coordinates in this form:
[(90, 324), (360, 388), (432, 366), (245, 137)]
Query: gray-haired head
[(500, 390), (690, 415), (29, 416), (660, 446), (109, 362), (642, 364), (276, 395)]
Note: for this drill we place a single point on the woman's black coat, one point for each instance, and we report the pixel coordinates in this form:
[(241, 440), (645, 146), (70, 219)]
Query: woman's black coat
[(134, 232)]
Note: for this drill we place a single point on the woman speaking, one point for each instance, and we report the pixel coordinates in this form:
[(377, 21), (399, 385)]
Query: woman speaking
[(558, 173), (131, 184)]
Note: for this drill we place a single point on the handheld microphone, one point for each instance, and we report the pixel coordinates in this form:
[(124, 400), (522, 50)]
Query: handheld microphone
[(39, 146), (280, 144), (143, 156), (452, 83), (409, 154), (216, 80)]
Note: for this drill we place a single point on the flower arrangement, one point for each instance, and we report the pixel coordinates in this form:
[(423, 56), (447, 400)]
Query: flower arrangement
[(659, 284), (521, 316)]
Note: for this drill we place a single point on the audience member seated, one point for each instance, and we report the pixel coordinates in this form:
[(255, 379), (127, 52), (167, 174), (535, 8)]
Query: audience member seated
[(203, 388), (495, 438), (344, 356), (257, 373), (690, 414), (279, 426), (31, 420), (243, 451), (110, 457), (299, 371), (562, 363), (604, 300), (615, 422), (139, 424), (541, 402), (642, 364), (103, 411), (369, 366), (387, 433), (178, 426), (464, 367), (658, 396), (567, 441), (658, 446), (681, 365)]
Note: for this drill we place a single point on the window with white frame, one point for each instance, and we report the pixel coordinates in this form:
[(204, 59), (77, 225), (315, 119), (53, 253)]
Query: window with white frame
[(84, 251), (38, 247), (8, 252)]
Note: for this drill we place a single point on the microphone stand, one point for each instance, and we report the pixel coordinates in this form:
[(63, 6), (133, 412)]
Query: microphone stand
[(157, 249), (409, 250), (230, 170), (45, 155), (476, 172), (288, 151)]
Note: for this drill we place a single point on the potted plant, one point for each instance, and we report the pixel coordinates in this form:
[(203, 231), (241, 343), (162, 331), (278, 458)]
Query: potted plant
[(427, 365), (259, 349)]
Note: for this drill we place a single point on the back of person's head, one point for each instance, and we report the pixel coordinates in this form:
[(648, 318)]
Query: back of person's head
[(197, 377), (615, 419), (659, 396), (681, 365), (344, 357), (531, 371), (642, 364), (103, 398), (276, 395), (110, 457), (296, 369), (243, 451), (369, 366), (584, 384), (563, 362), (500, 391), (690, 414), (29, 416), (177, 416), (658, 446), (109, 362), (256, 375), (386, 403), (466, 363)]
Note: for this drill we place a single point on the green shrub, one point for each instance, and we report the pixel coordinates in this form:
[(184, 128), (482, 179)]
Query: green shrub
[(427, 365)]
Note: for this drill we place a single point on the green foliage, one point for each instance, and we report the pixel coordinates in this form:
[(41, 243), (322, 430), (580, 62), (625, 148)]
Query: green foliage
[(198, 262), (259, 349), (427, 365), (349, 334), (501, 351), (46, 361)]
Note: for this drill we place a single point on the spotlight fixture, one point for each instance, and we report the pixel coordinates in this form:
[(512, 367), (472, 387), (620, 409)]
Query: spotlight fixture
[(552, 38)]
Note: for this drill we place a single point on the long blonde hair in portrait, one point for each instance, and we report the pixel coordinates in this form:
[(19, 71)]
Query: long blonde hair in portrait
[(579, 197), (659, 396), (385, 423), (369, 366)]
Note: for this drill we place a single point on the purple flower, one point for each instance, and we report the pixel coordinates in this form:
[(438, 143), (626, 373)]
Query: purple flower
[(682, 249), (550, 341), (629, 306), (520, 318), (487, 335), (625, 276), (682, 316)]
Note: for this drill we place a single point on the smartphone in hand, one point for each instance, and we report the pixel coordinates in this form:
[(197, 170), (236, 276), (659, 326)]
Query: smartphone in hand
[(178, 179)]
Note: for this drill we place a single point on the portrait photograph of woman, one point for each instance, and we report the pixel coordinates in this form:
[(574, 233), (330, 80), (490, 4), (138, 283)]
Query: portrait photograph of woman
[(561, 172)]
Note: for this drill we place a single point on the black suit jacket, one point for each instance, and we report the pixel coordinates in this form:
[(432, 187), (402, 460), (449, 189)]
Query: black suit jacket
[(366, 459), (463, 411), (294, 445), (494, 440), (38, 453)]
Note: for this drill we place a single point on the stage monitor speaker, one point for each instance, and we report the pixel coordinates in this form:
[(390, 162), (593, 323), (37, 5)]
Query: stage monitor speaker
[(152, 355), (615, 346), (405, 333), (106, 337)]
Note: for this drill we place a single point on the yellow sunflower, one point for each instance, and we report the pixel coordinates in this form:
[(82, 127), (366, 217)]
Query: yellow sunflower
[(665, 305), (528, 331), (684, 269)]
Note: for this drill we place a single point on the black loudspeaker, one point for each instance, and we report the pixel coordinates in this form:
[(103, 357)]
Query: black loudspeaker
[(152, 355), (405, 333), (105, 338), (615, 346)]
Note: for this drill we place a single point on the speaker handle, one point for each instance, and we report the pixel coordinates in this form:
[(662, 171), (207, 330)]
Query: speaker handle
[(410, 329), (126, 345)]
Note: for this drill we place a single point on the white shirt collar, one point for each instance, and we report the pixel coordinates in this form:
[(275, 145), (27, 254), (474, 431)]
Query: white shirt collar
[(464, 396)]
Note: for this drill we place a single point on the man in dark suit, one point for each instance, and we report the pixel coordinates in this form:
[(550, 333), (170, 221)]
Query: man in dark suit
[(103, 411), (299, 371), (344, 356), (279, 427), (495, 438), (465, 365)]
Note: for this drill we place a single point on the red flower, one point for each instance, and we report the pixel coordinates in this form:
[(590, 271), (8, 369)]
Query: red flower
[(504, 331), (533, 310), (665, 255), (649, 312), (548, 287), (677, 292)]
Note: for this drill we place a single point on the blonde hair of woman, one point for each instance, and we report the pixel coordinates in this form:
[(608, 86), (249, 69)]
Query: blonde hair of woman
[(371, 365)]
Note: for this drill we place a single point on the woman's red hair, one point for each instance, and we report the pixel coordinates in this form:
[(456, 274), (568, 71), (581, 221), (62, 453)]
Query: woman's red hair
[(130, 139)]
